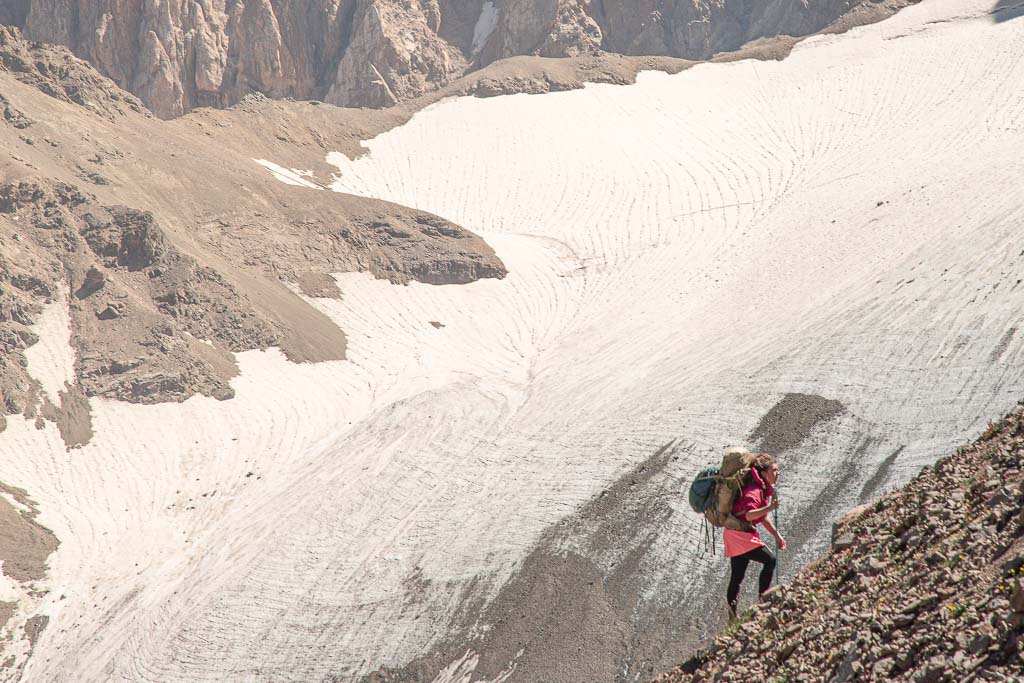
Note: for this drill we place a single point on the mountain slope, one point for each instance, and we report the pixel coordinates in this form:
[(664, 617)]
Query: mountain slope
[(818, 254), (137, 227), (925, 584)]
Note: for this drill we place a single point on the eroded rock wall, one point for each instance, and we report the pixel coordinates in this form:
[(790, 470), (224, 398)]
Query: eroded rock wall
[(697, 29), (179, 54)]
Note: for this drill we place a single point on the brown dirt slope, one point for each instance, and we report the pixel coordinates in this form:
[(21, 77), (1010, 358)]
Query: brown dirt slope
[(924, 585), (25, 545), (173, 248)]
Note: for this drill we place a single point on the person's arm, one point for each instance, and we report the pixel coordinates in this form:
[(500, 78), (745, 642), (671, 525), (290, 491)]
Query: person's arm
[(774, 532), (758, 513)]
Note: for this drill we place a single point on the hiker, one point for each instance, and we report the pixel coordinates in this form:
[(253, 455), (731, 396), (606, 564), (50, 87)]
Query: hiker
[(753, 504)]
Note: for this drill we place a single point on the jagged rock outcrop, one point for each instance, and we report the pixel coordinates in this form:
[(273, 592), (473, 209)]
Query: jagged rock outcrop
[(394, 54), (131, 291), (925, 585), (62, 76), (697, 30), (180, 54), (169, 258), (548, 28)]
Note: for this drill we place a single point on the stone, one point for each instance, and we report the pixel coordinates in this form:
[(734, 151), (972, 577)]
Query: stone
[(912, 539), (979, 644), (774, 594), (904, 660), (1017, 596), (843, 542), (787, 650), (94, 281), (1001, 497), (920, 604), (882, 668), (934, 671), (112, 311), (846, 669), (903, 620)]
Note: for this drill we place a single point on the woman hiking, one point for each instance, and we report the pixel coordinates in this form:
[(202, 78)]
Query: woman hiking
[(753, 504)]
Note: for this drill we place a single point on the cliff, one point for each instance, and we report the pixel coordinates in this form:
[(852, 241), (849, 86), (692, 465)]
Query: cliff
[(176, 55)]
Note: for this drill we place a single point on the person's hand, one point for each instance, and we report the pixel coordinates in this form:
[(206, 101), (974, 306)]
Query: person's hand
[(782, 542), (774, 504)]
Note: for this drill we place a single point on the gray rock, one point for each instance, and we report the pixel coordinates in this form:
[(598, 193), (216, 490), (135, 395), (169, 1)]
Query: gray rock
[(920, 604), (903, 620), (94, 281), (1017, 596), (843, 542), (786, 651), (846, 671), (936, 670), (979, 644), (112, 311), (875, 566), (882, 668)]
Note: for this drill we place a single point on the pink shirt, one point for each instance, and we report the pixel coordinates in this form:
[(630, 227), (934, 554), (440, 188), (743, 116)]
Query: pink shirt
[(754, 495)]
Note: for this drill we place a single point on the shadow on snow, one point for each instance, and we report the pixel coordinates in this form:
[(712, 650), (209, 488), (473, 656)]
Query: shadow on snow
[(1006, 10)]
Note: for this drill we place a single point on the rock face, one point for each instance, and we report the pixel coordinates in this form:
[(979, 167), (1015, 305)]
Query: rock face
[(926, 584), (179, 54), (14, 12), (61, 76), (110, 256)]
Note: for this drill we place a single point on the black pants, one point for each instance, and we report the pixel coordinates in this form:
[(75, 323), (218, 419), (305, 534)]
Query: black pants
[(739, 570)]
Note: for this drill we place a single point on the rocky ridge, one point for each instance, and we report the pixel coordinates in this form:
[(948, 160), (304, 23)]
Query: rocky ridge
[(177, 55), (172, 253), (925, 585), (130, 289)]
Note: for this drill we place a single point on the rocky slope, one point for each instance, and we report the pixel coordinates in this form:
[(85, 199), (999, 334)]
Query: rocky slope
[(171, 252), (925, 585), (180, 54)]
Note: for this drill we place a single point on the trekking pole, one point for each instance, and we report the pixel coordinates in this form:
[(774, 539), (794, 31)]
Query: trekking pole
[(778, 554)]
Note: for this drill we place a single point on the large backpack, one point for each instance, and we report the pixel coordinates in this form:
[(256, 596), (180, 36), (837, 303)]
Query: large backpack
[(714, 490)]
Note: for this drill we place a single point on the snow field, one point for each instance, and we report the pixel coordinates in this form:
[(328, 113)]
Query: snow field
[(51, 360)]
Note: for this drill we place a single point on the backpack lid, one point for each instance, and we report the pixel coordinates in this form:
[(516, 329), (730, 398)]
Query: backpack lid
[(736, 458)]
